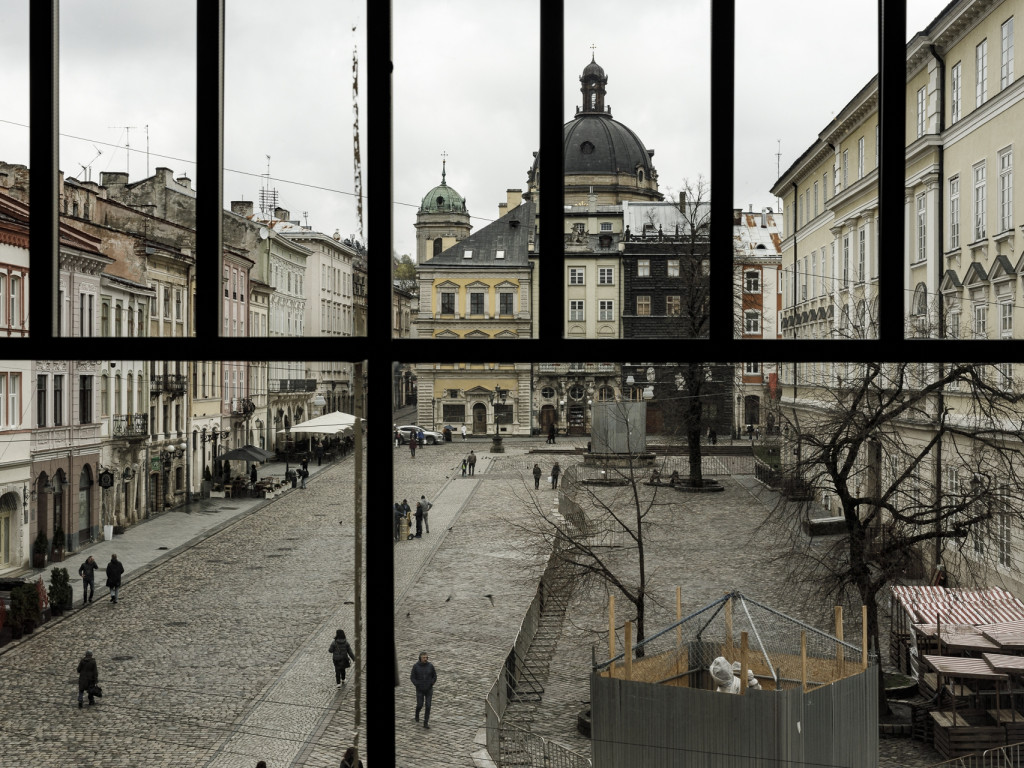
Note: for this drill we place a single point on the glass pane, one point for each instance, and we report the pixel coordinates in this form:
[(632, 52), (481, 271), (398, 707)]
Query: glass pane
[(961, 226), (295, 248), (808, 168), (14, 148), (465, 130), (636, 230), (126, 150)]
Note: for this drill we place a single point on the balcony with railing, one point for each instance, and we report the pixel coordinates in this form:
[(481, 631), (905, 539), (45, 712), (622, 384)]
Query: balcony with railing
[(575, 368), (172, 383), (292, 385), (131, 426), (242, 407)]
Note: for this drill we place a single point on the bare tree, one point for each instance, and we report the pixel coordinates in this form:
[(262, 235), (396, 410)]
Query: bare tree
[(600, 527), (915, 459)]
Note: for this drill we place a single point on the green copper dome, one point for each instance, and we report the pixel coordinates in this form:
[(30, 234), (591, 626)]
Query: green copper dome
[(443, 199)]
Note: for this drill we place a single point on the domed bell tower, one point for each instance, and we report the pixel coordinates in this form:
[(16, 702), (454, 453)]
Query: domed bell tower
[(593, 85), (441, 221)]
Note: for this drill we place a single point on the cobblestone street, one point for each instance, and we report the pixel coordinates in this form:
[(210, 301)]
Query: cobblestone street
[(704, 543), (216, 656)]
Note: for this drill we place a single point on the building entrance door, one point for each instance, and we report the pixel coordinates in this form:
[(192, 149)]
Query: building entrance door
[(548, 416), (577, 423), (479, 419), (154, 492)]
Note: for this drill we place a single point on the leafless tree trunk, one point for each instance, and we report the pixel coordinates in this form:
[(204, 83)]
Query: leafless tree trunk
[(872, 441)]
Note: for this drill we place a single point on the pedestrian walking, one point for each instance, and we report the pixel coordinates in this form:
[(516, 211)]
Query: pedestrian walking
[(398, 437), (471, 462), (305, 464), (412, 445), (341, 652), (303, 474), (551, 434), (88, 676), (555, 470), (463, 432), (536, 476), (421, 437), (419, 520), (319, 452), (349, 760), (114, 571), (398, 519), (87, 571), (714, 436), (426, 510), (423, 676), (464, 465)]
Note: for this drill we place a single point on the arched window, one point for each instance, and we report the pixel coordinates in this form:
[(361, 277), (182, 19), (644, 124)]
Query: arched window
[(605, 394), (117, 407), (130, 400), (920, 305), (861, 315), (437, 245)]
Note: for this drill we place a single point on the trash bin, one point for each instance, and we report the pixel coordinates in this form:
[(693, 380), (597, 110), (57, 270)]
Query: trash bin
[(108, 532)]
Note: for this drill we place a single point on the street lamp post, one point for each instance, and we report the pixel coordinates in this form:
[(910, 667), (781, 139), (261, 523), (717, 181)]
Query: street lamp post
[(497, 397)]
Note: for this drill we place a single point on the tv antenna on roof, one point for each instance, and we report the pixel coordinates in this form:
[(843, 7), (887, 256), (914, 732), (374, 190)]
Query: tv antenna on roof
[(87, 169), (268, 197), (127, 145)]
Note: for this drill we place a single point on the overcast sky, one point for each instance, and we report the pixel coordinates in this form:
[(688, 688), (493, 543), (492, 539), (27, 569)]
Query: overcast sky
[(465, 83)]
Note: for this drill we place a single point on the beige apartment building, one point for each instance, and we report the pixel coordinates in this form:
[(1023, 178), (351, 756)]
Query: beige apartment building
[(960, 254)]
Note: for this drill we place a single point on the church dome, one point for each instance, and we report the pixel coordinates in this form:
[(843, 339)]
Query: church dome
[(443, 199), (596, 144), (601, 155)]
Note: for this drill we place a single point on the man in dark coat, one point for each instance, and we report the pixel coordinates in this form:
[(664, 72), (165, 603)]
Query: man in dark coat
[(88, 676), (423, 677), (87, 571), (114, 571), (341, 652), (419, 519), (398, 519), (471, 462), (551, 433), (536, 475), (555, 470), (254, 476)]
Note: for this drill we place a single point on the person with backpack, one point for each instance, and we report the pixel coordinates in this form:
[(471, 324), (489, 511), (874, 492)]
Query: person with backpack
[(340, 652), (426, 509), (88, 573)]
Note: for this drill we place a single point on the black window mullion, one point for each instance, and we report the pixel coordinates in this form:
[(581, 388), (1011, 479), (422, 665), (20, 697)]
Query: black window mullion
[(549, 281), (44, 114), (380, 649), (209, 167), (723, 22), (892, 87)]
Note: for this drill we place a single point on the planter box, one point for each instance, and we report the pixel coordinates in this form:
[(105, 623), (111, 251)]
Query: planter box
[(218, 495)]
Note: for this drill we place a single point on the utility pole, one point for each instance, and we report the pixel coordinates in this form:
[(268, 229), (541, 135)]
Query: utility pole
[(359, 409)]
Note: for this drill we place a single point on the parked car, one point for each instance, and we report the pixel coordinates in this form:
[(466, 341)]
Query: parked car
[(430, 437)]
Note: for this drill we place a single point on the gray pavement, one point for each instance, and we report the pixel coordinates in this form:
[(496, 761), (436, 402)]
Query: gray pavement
[(708, 544), (216, 652)]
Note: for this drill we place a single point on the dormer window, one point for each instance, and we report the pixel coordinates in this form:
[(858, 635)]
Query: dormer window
[(586, 147), (467, 254)]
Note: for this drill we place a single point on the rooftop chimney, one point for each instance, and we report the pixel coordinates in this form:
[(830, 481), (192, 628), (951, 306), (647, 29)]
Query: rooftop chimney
[(242, 207), (281, 213)]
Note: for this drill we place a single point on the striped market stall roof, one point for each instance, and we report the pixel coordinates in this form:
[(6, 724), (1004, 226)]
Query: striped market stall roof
[(958, 637), (1002, 662), (957, 666), (959, 606)]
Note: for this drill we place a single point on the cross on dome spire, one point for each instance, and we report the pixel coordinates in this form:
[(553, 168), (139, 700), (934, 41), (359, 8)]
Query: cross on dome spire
[(444, 156)]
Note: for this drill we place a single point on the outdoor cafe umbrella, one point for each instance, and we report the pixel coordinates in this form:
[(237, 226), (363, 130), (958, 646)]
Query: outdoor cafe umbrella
[(328, 424), (248, 453), (258, 451)]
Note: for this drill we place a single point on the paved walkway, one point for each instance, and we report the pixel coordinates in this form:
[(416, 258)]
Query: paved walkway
[(216, 652)]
